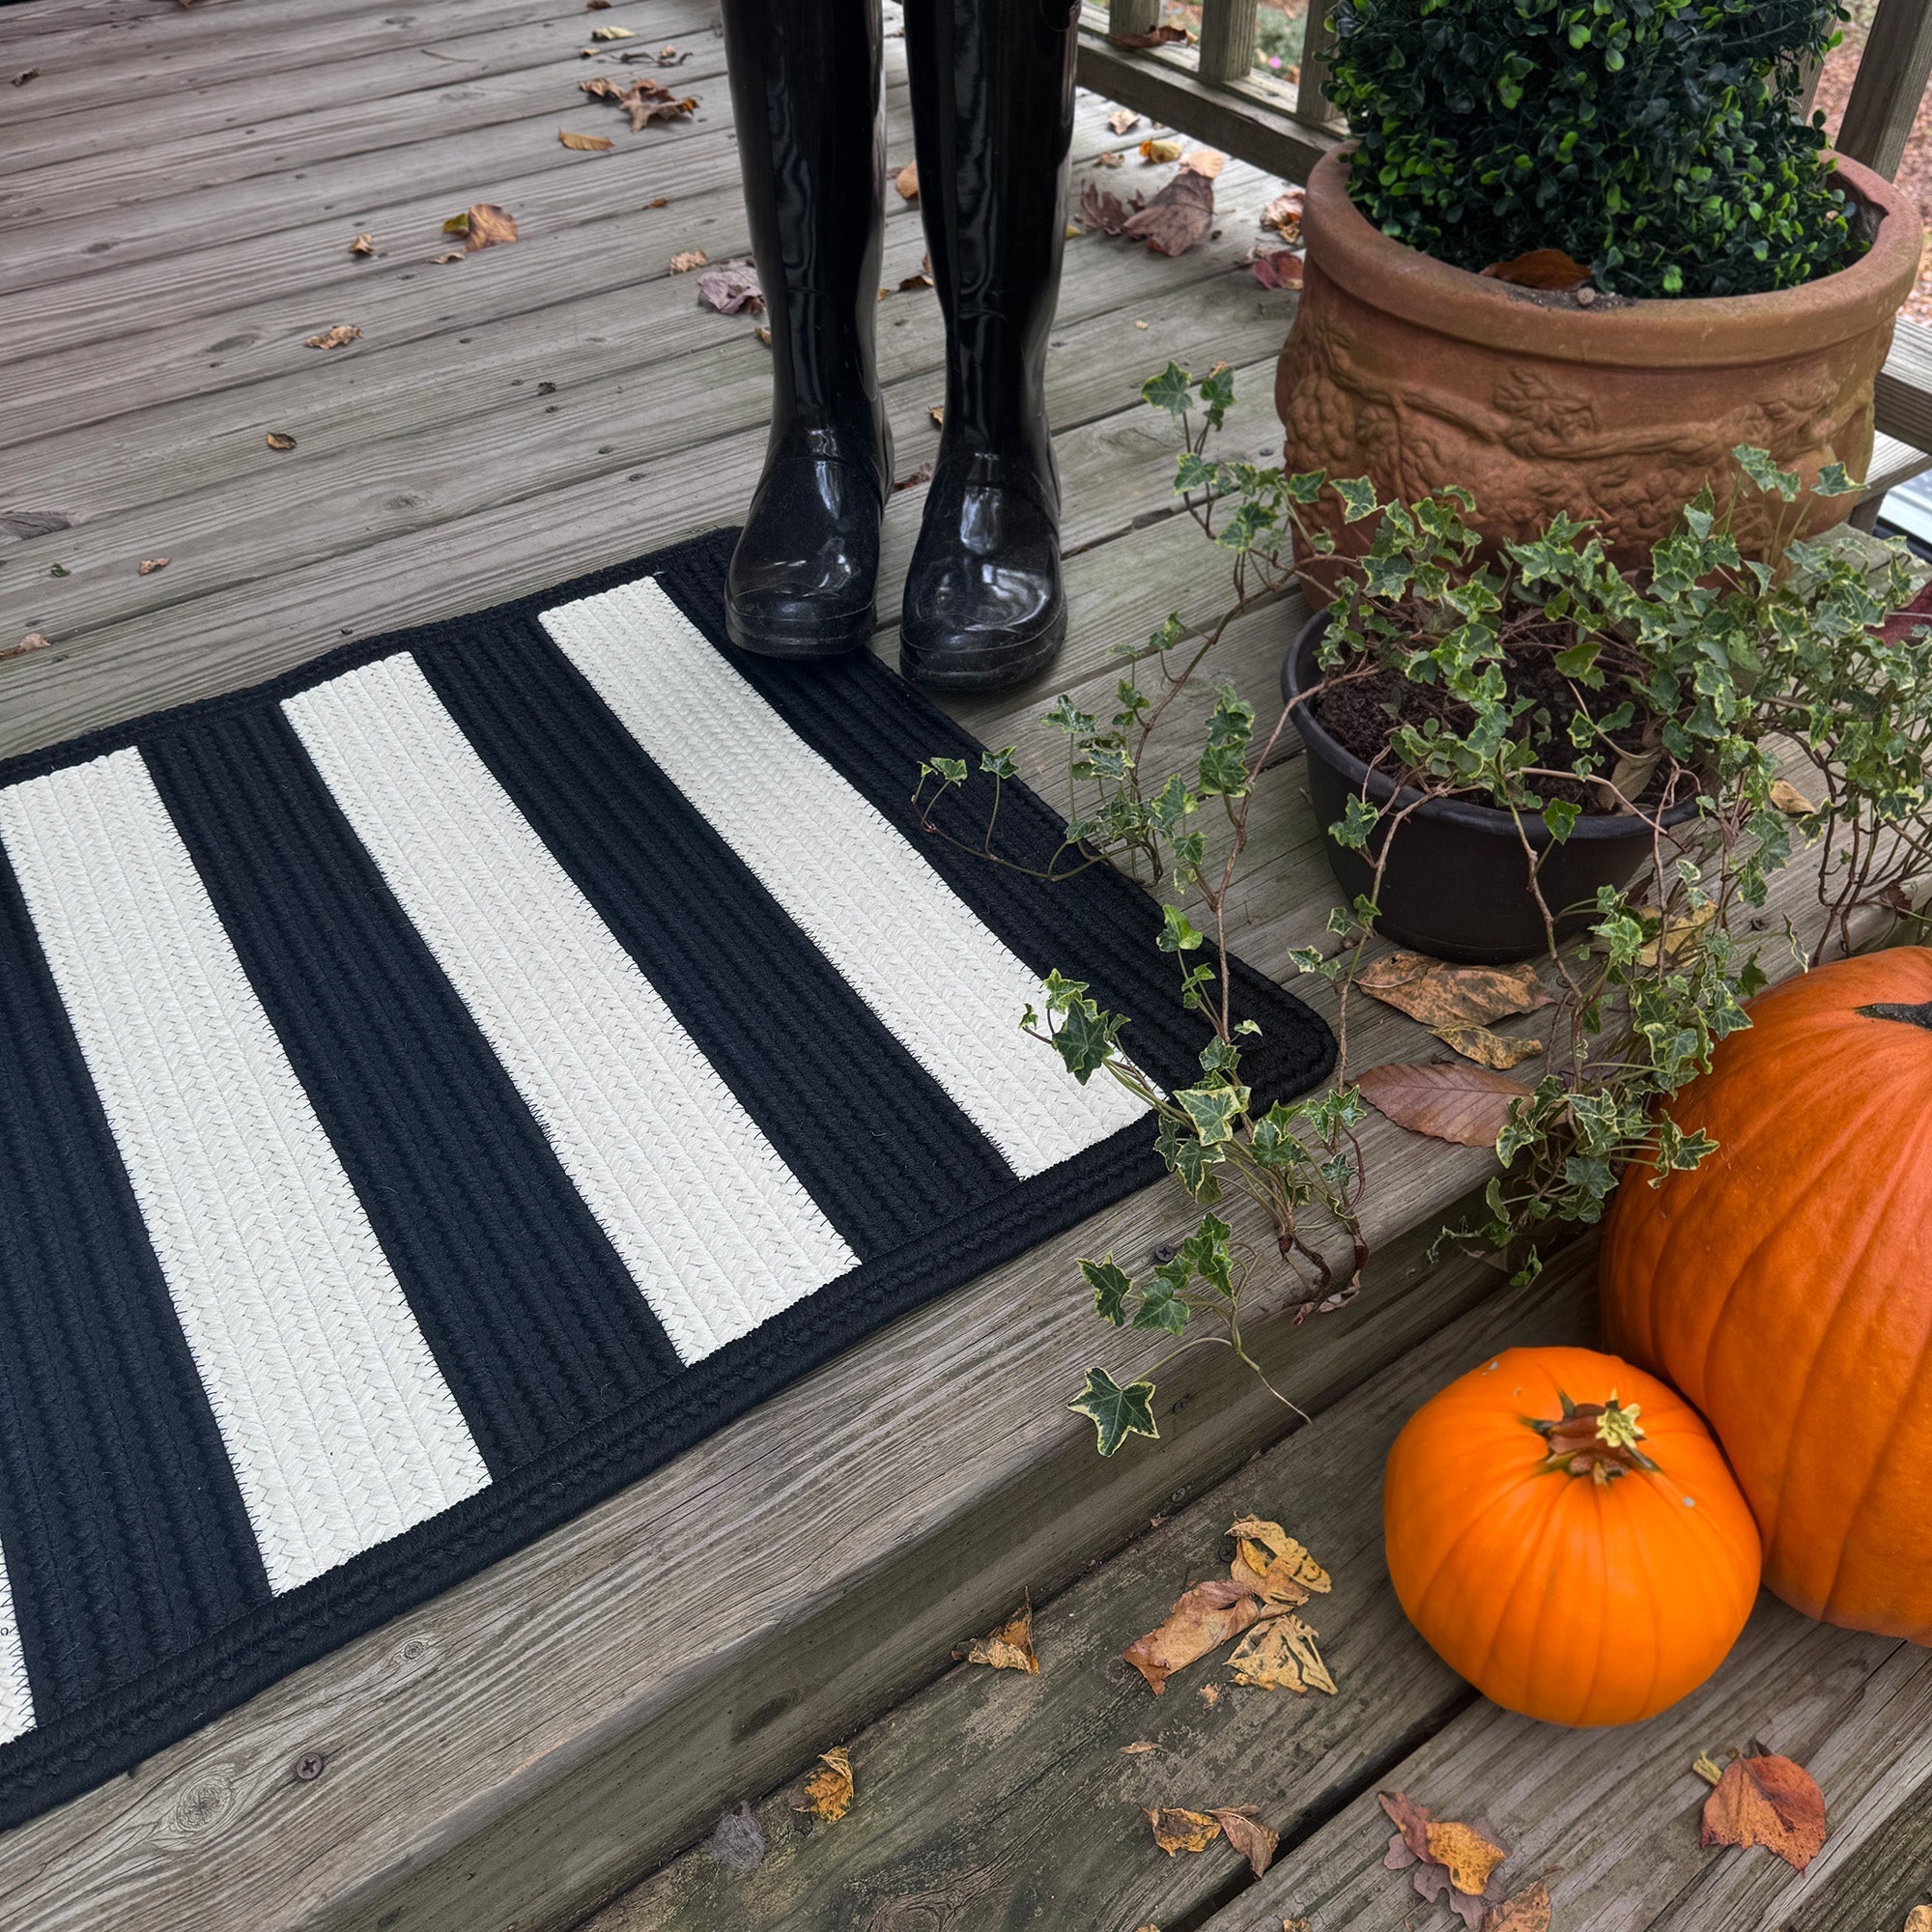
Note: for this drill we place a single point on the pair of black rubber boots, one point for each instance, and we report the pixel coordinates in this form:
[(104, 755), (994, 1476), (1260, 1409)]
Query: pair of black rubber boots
[(992, 98)]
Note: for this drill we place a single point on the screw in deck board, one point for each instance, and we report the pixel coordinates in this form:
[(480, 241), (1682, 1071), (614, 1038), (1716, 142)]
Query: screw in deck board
[(308, 1767)]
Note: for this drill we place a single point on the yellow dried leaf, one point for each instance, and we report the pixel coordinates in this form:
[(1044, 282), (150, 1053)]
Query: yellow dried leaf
[(1918, 1918), (363, 245), (938, 415), (1298, 1925), (1139, 1747), (1208, 161), (1177, 1831), (688, 259), (586, 144), (1122, 119), (1465, 1853), (1010, 1647), (906, 181), (1209, 1694), (1440, 994), (612, 34), (1280, 1654), (1110, 159), (1789, 800), (1525, 1911), (1200, 1620), (1154, 151), (280, 439), (1488, 1049), (1281, 1553), (829, 1792), (149, 565), (1677, 933), (333, 338)]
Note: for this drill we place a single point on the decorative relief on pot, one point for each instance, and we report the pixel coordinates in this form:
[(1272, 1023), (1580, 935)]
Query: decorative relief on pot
[(1364, 390)]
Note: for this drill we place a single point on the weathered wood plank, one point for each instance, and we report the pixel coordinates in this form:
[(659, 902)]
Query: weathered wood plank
[(1889, 86), (993, 1800), (1902, 397)]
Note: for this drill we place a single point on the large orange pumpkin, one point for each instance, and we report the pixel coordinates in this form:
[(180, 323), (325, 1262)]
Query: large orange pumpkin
[(1785, 1286), (1563, 1530)]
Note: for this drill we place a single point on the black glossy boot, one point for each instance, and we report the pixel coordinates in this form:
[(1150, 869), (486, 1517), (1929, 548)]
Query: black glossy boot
[(992, 95), (807, 96)]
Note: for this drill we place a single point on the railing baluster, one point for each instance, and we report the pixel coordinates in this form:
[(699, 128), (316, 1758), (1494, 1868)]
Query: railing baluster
[(1889, 85), (1132, 17), (1227, 39), (1311, 99)]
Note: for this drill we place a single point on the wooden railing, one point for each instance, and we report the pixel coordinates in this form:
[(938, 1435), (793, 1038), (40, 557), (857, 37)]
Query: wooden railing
[(1215, 92)]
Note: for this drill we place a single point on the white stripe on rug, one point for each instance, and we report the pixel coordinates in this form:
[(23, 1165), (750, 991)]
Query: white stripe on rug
[(715, 1228), (16, 1699), (925, 963), (339, 1425)]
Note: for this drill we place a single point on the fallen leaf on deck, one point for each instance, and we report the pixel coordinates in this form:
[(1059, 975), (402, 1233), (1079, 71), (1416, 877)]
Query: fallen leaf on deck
[(1178, 1830), (1525, 1911), (1244, 1830), (1767, 1801), (1098, 209), (1157, 148), (1540, 269), (1280, 1654), (1440, 994), (363, 245), (1203, 1619), (1410, 1847), (644, 101), (827, 1793), (913, 478), (149, 565), (666, 56), (682, 263), (26, 75), (1284, 214), (1122, 119), (1208, 161), (1112, 158), (333, 338), (1008, 1648), (1789, 800), (732, 289), (1674, 936), (1298, 1925), (612, 34), (659, 201), (1489, 1049), (764, 335), (1465, 1853), (1155, 37), (938, 415), (485, 225), (1281, 1568), (906, 181), (1209, 1694), (922, 280), (454, 255), (1138, 1749), (586, 144), (1177, 217), (1277, 269), (280, 439), (31, 641), (596, 6), (1466, 1105), (1918, 1919)]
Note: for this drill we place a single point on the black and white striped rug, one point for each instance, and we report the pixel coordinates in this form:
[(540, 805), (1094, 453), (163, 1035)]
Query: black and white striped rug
[(441, 1085)]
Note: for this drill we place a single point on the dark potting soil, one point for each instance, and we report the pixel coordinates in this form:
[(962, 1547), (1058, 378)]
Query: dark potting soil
[(1360, 715)]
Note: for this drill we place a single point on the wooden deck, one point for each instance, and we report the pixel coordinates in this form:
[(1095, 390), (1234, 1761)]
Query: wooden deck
[(177, 190)]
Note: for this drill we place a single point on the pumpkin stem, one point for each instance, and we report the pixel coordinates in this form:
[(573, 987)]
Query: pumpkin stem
[(1890, 1009), (1597, 1439)]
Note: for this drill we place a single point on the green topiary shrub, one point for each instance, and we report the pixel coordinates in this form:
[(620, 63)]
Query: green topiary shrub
[(1654, 140)]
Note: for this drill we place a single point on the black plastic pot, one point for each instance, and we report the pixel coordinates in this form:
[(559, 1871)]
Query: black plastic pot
[(1456, 884)]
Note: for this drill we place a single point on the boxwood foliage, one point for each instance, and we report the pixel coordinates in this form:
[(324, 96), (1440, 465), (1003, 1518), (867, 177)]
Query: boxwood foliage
[(1654, 140)]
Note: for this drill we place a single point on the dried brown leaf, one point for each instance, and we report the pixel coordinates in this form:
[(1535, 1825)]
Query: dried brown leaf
[(938, 415), (1138, 1749), (1408, 1850), (1243, 1826), (1540, 269), (363, 245), (1112, 158), (732, 289), (1487, 1048), (1122, 119), (1789, 800), (1918, 1919), (454, 255), (280, 439), (1630, 774), (1284, 214), (1209, 1694), (31, 641), (485, 225), (688, 259), (827, 1793), (25, 74), (1440, 994), (906, 181), (1010, 1647), (1525, 1911), (1280, 1654), (1676, 935), (1178, 1830), (1282, 1567), (1204, 1618), (612, 34), (1465, 1853), (1106, 212), (1208, 161), (596, 6), (1158, 148), (149, 565), (1466, 1105), (1298, 1925), (333, 338), (1277, 267), (1767, 1801), (1177, 217), (1155, 37), (645, 99), (586, 144)]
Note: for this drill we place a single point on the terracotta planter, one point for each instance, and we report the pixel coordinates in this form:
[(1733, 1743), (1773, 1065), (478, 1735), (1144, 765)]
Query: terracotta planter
[(1415, 374)]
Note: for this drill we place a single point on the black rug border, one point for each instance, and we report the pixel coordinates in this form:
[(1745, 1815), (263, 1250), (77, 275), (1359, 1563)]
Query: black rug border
[(87, 1744)]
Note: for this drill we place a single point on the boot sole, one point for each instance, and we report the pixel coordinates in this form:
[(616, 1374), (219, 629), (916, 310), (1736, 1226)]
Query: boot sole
[(828, 640), (943, 669)]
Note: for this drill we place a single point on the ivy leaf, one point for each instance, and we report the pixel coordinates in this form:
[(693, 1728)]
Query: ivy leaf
[(1111, 1285), (1163, 1306), (1115, 1411), (1000, 763), (1358, 497), (1178, 933), (1213, 1111), (1171, 390)]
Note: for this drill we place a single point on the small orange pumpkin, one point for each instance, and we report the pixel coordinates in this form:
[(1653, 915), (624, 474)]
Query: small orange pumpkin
[(1785, 1284), (1563, 1530)]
